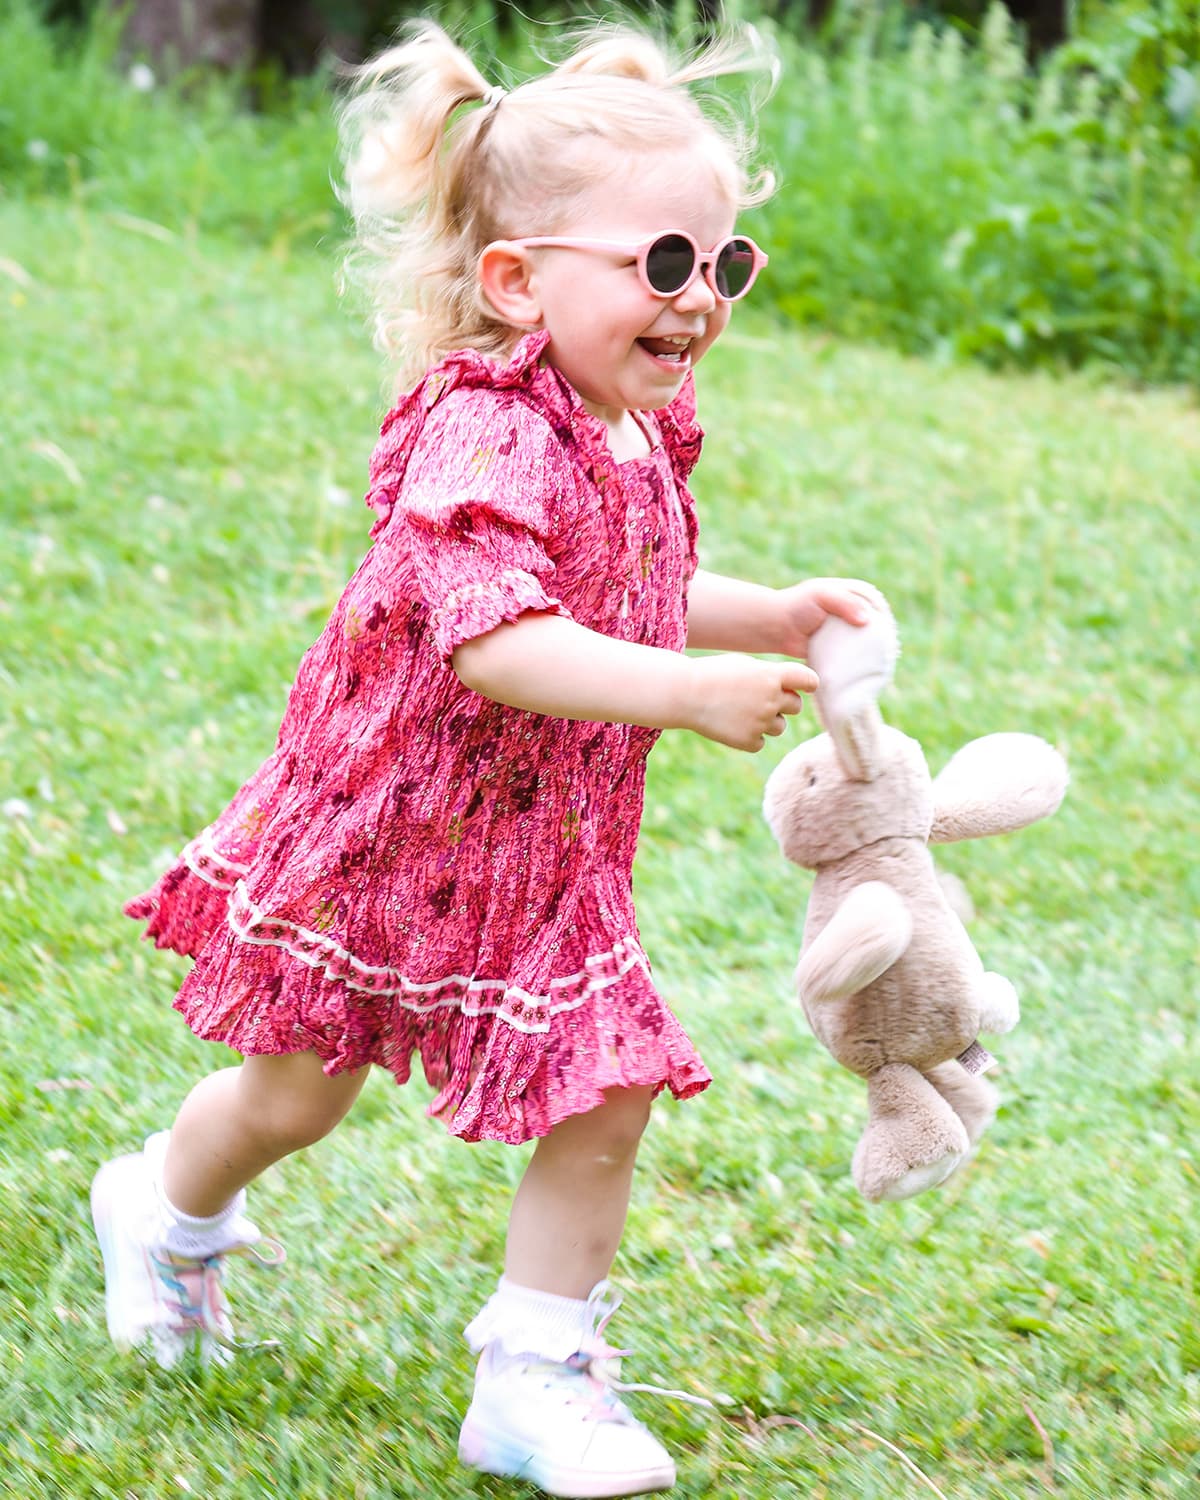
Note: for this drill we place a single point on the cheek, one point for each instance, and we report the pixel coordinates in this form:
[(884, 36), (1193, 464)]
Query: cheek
[(718, 322)]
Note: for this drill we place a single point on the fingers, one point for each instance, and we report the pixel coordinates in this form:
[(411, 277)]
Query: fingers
[(851, 599), (795, 677)]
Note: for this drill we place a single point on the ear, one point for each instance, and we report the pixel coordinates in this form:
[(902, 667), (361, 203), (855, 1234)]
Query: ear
[(855, 664), (508, 283), (997, 784)]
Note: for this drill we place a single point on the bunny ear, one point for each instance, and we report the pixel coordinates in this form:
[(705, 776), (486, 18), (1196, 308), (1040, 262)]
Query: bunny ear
[(997, 784), (855, 664), (858, 741)]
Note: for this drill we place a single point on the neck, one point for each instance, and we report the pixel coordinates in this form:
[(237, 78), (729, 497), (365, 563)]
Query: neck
[(627, 438)]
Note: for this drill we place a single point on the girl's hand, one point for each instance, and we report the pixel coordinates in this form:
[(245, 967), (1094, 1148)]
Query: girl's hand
[(738, 701), (804, 607)]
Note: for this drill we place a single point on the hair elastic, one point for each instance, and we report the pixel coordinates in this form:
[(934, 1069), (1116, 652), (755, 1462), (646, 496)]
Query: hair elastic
[(493, 97)]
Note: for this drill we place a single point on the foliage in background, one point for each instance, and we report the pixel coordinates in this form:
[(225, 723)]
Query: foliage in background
[(936, 194), (948, 198)]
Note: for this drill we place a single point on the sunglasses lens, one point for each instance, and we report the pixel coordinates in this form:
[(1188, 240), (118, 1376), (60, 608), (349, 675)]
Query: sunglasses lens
[(735, 268), (670, 262)]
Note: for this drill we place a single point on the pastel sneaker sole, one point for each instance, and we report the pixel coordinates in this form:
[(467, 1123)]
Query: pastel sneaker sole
[(497, 1453), (124, 1333)]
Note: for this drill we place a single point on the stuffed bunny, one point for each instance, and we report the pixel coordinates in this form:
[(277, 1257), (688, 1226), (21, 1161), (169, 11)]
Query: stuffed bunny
[(889, 980)]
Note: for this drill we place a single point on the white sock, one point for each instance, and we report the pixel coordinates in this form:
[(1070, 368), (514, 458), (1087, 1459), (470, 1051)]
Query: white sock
[(187, 1235), (197, 1239), (522, 1320)]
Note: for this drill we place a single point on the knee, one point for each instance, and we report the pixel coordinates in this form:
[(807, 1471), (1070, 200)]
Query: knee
[(619, 1125), (297, 1122), (293, 1112)]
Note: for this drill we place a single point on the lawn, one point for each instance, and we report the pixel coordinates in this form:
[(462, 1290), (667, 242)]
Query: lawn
[(186, 423)]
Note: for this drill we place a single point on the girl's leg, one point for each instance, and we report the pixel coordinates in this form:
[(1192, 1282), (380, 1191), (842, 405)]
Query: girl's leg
[(540, 1412), (569, 1211), (236, 1123), (167, 1215)]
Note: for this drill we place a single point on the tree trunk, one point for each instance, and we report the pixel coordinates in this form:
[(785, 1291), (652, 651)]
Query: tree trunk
[(1045, 23), (179, 34)]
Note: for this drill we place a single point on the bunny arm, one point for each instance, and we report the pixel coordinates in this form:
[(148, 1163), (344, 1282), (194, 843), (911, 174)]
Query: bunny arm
[(996, 784), (867, 933)]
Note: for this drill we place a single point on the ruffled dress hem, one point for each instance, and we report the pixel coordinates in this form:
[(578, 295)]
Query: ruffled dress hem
[(509, 1064)]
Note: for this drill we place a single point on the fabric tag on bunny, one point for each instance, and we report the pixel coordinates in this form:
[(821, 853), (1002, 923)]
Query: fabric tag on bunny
[(976, 1059)]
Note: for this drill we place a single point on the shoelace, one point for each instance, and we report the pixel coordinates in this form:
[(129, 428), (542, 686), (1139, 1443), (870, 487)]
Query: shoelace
[(596, 1356), (195, 1296)]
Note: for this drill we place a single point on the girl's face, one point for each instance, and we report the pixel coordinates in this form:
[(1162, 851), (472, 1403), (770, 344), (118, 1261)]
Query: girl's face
[(620, 346)]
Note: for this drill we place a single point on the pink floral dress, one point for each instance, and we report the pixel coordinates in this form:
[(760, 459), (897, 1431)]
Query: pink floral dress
[(417, 867)]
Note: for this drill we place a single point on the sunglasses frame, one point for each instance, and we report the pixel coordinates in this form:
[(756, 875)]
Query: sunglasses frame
[(704, 261)]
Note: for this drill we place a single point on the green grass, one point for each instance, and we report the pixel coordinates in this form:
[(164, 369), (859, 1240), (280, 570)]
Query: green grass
[(186, 425)]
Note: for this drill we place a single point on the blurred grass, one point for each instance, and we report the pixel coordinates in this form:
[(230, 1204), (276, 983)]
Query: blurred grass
[(186, 423)]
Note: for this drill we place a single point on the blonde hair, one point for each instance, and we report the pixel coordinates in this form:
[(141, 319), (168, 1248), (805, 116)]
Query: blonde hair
[(430, 184)]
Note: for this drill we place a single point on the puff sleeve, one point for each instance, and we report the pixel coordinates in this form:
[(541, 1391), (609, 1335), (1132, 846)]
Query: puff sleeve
[(483, 511)]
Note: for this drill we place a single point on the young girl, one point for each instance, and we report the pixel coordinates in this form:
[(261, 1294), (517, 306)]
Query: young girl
[(437, 857)]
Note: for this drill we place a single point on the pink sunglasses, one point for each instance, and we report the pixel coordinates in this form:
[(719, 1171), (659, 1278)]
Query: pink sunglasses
[(668, 263)]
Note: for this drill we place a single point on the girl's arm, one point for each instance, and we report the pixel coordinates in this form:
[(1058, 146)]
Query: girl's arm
[(728, 614), (548, 664)]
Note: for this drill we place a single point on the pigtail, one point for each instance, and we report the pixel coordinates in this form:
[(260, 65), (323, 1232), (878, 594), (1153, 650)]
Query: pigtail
[(411, 165), (393, 124), (618, 52)]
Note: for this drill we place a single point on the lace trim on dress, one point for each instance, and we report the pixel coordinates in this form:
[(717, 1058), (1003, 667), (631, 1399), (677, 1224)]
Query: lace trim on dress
[(214, 869), (473, 996)]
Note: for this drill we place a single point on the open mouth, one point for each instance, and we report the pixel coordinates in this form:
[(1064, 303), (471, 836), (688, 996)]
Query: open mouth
[(676, 352)]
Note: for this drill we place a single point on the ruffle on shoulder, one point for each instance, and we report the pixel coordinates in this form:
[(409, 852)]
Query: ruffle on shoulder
[(465, 369), (554, 396)]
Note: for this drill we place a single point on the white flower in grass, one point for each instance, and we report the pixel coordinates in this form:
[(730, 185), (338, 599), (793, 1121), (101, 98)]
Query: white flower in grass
[(37, 150), (15, 808), (141, 77), (337, 496)]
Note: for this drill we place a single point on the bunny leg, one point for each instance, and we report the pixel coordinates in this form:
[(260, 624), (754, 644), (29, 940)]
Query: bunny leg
[(972, 1098), (865, 936), (999, 1008), (913, 1140)]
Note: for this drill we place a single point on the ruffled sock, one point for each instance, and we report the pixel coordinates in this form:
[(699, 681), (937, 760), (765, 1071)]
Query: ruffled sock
[(521, 1320)]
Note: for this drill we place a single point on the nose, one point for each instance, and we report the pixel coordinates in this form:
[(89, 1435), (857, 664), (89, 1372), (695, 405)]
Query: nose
[(697, 296)]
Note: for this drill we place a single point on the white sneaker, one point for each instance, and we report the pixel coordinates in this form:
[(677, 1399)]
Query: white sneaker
[(560, 1426), (169, 1302)]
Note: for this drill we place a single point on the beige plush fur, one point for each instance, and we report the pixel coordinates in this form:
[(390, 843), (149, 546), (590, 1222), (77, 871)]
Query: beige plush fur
[(889, 980)]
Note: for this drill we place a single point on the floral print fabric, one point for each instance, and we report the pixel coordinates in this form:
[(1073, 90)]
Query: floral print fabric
[(417, 868)]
